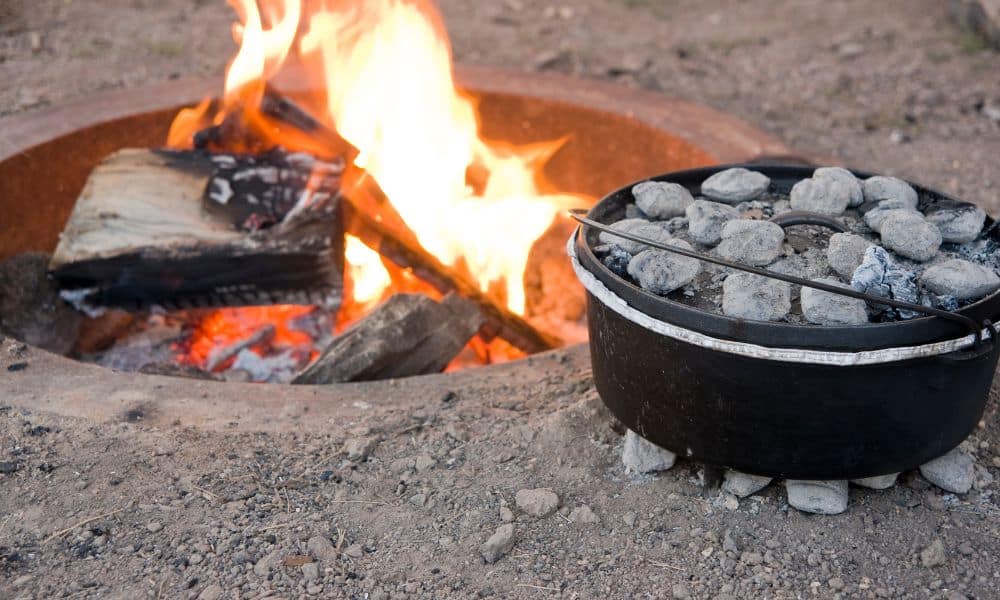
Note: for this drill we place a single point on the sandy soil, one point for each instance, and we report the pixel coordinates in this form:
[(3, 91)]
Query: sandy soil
[(186, 513)]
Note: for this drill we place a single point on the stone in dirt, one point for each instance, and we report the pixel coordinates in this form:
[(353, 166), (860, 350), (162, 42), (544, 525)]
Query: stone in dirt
[(754, 297), (499, 544), (662, 271), (876, 216), (879, 482), (322, 549), (910, 235), (824, 195), (755, 243), (826, 308), (640, 455), (538, 503), (880, 275), (212, 591), (960, 278), (954, 472), (359, 448), (653, 231), (736, 185), (934, 555), (857, 195), (846, 252), (958, 225), (880, 188), (706, 219), (662, 200), (742, 485), (583, 514), (819, 497)]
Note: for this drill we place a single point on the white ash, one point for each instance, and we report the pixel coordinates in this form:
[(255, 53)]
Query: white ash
[(649, 230), (819, 497), (880, 188), (960, 224), (824, 195), (277, 368), (639, 455), (846, 252), (827, 308), (662, 271), (910, 235), (780, 207), (954, 472), (880, 275), (736, 185), (811, 264), (760, 209), (755, 243), (875, 217), (634, 212), (615, 259), (754, 297), (742, 485), (675, 225), (960, 279), (879, 482), (857, 195), (661, 200), (706, 220)]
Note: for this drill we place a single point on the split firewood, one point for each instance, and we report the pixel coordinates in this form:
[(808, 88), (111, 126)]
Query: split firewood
[(189, 228), (408, 334)]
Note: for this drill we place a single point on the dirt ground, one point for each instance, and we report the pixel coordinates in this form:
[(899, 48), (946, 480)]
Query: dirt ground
[(174, 512)]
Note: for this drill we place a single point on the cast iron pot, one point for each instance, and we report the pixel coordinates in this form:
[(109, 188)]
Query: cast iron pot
[(776, 399)]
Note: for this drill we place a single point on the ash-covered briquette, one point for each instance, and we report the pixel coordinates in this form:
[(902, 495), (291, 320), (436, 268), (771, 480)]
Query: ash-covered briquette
[(893, 248)]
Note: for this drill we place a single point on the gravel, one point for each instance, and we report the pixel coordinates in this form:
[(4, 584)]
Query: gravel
[(754, 297), (742, 485), (640, 227), (910, 235), (639, 455), (755, 243), (736, 185), (954, 472), (498, 544), (819, 497), (825, 195), (879, 482), (857, 196), (537, 503), (880, 188), (846, 252), (706, 220), (662, 200), (662, 271), (958, 225), (961, 279), (825, 308)]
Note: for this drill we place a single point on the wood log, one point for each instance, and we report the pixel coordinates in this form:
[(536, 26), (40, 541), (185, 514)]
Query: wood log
[(408, 334), (188, 228)]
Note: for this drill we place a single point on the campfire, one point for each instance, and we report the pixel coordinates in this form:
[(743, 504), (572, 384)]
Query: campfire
[(335, 213)]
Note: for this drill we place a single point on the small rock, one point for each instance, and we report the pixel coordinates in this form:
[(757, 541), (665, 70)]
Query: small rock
[(359, 448), (825, 195), (876, 216), (310, 572), (882, 276), (267, 563), (499, 544), (960, 278), (423, 463), (954, 472), (742, 485), (934, 555), (846, 252), (583, 514), (879, 188), (836, 583), (538, 503), (910, 235), (418, 500), (755, 243), (819, 497), (680, 592), (154, 526), (662, 200), (212, 591), (826, 308), (662, 271), (754, 297), (639, 227), (879, 482), (736, 185), (706, 220), (322, 549), (506, 514), (642, 456), (630, 518), (857, 195), (958, 225), (355, 551)]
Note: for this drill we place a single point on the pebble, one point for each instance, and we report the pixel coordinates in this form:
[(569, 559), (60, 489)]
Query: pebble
[(310, 572), (653, 231), (755, 243), (506, 514), (754, 297), (736, 185), (960, 278), (954, 472), (706, 220), (662, 271), (212, 591), (322, 549), (824, 195), (154, 526), (639, 455), (958, 225), (538, 503), (583, 514), (876, 216), (266, 563), (882, 276), (680, 592), (819, 497), (857, 195), (662, 200), (880, 188), (846, 252), (359, 448), (499, 544), (826, 308), (934, 555), (742, 485), (355, 551), (880, 482), (910, 235)]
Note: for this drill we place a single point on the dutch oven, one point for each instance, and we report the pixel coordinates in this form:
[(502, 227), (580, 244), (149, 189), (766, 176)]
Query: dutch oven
[(780, 399)]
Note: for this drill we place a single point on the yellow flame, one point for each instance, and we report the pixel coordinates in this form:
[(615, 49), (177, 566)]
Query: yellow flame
[(367, 272)]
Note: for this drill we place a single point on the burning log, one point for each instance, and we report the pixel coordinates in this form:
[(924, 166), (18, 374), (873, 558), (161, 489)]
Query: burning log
[(189, 228), (409, 334)]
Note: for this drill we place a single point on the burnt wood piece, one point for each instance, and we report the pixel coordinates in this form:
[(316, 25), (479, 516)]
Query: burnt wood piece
[(30, 307), (161, 228), (219, 355), (408, 334)]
